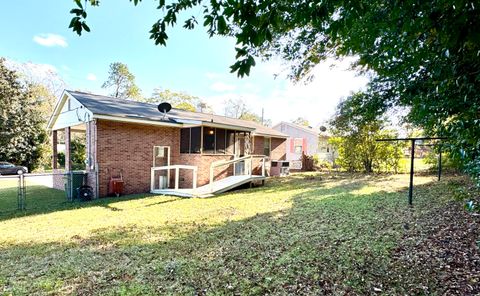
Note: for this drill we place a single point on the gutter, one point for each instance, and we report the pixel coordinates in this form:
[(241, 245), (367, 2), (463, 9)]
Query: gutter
[(133, 120)]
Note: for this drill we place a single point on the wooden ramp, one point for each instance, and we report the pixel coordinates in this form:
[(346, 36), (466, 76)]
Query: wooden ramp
[(216, 187)]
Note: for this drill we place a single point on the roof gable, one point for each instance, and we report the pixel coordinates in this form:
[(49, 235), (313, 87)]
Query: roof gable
[(295, 126)]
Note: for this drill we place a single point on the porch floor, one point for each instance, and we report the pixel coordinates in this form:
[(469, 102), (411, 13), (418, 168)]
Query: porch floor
[(216, 187)]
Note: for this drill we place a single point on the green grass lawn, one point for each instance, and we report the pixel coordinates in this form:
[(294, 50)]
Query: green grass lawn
[(306, 234), (39, 198)]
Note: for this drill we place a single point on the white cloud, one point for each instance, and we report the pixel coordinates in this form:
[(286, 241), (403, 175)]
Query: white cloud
[(50, 40), (222, 87), (212, 75), (284, 100), (91, 77)]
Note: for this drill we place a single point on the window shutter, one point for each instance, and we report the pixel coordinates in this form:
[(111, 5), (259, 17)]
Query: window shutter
[(292, 145), (304, 145)]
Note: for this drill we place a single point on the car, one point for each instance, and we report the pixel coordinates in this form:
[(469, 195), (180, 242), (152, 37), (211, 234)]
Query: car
[(7, 168)]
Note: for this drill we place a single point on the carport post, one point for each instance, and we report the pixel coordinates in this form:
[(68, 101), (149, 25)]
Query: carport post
[(54, 150), (68, 165)]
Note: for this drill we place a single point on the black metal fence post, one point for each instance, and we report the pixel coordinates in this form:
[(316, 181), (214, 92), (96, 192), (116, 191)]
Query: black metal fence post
[(410, 190), (412, 159), (21, 192), (440, 164)]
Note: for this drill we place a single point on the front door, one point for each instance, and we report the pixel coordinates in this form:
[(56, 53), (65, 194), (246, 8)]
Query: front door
[(240, 145), (239, 167)]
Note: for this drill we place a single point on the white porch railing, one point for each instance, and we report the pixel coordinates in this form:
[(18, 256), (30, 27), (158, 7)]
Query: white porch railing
[(177, 169), (248, 160)]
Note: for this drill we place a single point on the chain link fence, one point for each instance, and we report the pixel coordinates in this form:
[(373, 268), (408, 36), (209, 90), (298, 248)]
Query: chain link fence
[(38, 192)]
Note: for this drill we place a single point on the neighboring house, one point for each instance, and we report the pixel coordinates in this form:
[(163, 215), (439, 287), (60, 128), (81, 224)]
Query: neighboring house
[(326, 151), (178, 153), (302, 139)]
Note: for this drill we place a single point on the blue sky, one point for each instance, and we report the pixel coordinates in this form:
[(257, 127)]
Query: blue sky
[(37, 32)]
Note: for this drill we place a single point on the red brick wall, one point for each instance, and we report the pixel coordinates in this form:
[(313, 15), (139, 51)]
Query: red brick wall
[(129, 148), (279, 149), (258, 145), (203, 172), (278, 152), (278, 146)]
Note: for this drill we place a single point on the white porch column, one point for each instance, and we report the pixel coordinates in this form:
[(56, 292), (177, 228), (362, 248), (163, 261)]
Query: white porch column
[(68, 162)]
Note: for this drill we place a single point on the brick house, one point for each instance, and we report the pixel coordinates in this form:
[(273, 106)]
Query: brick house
[(179, 152), (302, 139)]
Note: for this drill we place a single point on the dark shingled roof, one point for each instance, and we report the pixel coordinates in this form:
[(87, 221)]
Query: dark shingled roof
[(104, 105)]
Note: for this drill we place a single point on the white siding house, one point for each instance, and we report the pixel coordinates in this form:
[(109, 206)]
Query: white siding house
[(305, 140)]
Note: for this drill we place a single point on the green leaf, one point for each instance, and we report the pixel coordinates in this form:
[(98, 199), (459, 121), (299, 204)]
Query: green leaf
[(79, 3), (85, 27), (221, 25)]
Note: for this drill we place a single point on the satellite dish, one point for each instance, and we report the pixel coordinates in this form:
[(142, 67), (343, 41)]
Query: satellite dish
[(323, 129), (164, 107)]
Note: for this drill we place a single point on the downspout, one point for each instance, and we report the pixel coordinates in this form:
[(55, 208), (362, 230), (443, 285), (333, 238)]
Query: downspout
[(97, 186)]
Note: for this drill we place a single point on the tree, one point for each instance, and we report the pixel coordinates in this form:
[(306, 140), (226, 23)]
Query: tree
[(78, 153), (420, 54), (179, 100), (237, 108), (356, 135), (122, 82), (359, 150), (301, 121), (22, 124)]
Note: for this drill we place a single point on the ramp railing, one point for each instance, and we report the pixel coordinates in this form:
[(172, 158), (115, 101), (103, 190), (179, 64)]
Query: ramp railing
[(247, 160)]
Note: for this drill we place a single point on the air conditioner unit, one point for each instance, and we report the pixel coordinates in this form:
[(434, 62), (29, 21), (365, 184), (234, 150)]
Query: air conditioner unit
[(284, 171), (279, 168), (162, 182)]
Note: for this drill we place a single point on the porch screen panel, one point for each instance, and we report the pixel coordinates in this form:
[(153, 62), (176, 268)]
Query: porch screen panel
[(220, 141), (195, 139), (185, 140), (209, 140), (230, 141)]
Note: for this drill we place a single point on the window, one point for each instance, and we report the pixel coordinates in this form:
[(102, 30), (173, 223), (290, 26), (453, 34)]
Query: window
[(220, 141), (185, 140), (208, 140), (298, 145), (298, 149), (211, 140), (266, 146), (215, 140), (195, 139), (190, 140)]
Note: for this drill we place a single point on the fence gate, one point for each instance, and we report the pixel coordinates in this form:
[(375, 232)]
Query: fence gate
[(21, 198), (35, 193)]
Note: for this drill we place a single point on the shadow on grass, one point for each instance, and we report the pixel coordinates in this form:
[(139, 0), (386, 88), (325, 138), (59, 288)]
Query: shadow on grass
[(44, 200), (329, 242)]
